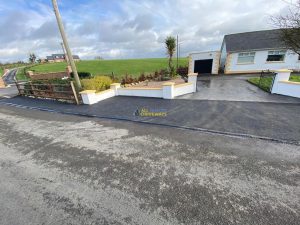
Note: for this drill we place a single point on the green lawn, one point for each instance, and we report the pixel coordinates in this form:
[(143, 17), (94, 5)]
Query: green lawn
[(1, 72), (21, 74), (295, 78), (267, 81), (120, 68)]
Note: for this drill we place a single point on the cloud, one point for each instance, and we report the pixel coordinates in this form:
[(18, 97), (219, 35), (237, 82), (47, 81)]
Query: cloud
[(128, 28)]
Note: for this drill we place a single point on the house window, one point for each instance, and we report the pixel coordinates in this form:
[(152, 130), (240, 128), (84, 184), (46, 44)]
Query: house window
[(246, 57), (276, 56)]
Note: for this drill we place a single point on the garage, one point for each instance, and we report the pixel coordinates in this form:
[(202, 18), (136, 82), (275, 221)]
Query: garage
[(203, 66), (204, 62)]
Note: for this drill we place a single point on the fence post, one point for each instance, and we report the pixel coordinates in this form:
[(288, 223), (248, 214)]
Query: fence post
[(18, 87), (74, 92)]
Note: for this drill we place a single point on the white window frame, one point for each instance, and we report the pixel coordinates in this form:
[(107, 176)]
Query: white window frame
[(277, 52), (243, 56)]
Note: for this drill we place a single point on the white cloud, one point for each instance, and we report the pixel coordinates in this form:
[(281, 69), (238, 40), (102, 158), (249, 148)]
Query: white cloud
[(128, 28)]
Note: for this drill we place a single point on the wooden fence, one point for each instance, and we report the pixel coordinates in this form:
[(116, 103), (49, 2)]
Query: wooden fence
[(65, 92)]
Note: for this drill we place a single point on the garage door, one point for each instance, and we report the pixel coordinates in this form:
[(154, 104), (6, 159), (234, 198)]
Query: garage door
[(203, 66)]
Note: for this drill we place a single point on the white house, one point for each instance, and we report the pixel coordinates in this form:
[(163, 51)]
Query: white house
[(252, 52), (249, 52)]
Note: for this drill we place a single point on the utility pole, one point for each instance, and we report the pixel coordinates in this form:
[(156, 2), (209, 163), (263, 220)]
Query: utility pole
[(66, 44), (177, 52), (64, 51)]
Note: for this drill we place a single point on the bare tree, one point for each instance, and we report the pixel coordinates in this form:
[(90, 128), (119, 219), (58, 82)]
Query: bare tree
[(32, 58), (290, 26)]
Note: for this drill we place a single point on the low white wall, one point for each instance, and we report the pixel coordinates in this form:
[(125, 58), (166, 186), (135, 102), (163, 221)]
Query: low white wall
[(289, 88), (283, 86), (183, 89), (141, 92), (168, 91), (90, 97)]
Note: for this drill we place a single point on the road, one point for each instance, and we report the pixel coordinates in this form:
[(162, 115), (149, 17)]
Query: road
[(10, 77), (11, 90), (61, 169)]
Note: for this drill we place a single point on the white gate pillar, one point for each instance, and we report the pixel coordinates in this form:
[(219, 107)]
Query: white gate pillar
[(192, 78), (281, 75)]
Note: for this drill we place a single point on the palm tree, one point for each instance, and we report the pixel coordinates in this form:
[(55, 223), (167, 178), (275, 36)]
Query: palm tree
[(171, 48)]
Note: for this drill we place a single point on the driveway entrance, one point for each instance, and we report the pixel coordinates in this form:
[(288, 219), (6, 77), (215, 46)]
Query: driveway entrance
[(233, 88)]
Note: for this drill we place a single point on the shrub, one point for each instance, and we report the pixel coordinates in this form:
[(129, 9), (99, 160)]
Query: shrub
[(183, 71), (172, 71), (166, 78), (98, 83), (82, 75), (142, 77)]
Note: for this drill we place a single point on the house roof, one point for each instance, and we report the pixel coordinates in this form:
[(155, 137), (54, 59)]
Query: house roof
[(58, 56), (265, 39)]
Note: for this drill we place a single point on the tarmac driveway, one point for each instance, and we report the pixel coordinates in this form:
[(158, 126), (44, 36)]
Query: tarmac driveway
[(233, 88)]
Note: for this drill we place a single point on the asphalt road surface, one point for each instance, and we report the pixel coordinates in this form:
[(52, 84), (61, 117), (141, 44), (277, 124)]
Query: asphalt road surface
[(10, 77), (59, 169), (11, 89)]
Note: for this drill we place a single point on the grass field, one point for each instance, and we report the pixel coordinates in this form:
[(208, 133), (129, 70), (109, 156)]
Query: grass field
[(267, 81), (21, 74), (120, 68), (1, 72)]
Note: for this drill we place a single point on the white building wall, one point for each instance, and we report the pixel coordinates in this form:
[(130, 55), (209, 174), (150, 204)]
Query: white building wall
[(214, 55), (260, 63)]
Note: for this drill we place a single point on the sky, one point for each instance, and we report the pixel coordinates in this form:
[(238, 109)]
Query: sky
[(119, 29)]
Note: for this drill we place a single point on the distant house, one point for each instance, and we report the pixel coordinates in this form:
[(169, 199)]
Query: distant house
[(60, 58), (249, 52)]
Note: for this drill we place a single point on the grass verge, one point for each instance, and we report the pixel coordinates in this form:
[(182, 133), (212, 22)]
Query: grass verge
[(21, 74), (266, 82)]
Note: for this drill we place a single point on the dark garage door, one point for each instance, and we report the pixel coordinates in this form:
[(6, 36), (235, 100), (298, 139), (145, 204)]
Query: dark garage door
[(203, 66)]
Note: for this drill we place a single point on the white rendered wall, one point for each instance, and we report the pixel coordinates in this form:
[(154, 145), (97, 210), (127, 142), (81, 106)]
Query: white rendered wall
[(214, 55), (283, 86), (288, 88), (91, 97), (260, 63), (168, 91), (151, 93), (183, 89)]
